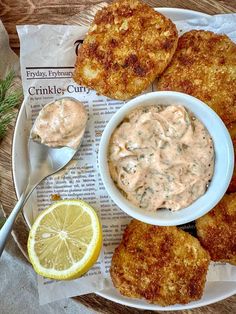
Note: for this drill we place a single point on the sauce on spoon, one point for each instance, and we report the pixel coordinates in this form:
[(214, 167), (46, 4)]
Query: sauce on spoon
[(61, 123)]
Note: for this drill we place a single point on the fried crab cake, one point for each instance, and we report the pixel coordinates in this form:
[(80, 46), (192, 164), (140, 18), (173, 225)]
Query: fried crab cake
[(204, 66), (217, 230), (232, 131), (127, 46), (163, 265)]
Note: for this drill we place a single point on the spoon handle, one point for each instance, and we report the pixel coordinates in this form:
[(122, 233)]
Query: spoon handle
[(7, 227)]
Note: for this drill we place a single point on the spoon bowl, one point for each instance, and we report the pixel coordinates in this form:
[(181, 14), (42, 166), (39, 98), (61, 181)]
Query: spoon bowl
[(45, 161)]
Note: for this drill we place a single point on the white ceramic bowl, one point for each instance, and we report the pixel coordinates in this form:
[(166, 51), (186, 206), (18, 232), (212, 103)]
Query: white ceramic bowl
[(224, 160)]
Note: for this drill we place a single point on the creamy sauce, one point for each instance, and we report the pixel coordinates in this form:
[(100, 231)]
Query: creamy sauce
[(61, 123), (161, 157)]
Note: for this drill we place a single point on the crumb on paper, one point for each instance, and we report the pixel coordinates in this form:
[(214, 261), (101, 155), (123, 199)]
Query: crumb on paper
[(55, 197)]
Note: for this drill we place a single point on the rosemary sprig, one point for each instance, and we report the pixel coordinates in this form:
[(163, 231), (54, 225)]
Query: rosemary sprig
[(9, 99)]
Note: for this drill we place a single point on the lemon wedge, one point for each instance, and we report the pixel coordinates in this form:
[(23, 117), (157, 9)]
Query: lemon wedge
[(65, 240)]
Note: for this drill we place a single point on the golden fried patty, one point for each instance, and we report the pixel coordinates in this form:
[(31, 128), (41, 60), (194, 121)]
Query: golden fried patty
[(204, 66), (232, 131), (217, 230), (163, 265), (127, 46)]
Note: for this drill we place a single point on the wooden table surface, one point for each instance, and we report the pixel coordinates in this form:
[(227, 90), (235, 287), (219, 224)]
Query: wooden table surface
[(15, 12)]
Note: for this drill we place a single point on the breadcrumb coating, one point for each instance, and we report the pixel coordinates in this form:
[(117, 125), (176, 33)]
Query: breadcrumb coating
[(127, 46), (217, 230), (204, 66), (163, 265)]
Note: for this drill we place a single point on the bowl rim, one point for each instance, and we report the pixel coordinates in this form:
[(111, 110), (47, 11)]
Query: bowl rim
[(148, 217)]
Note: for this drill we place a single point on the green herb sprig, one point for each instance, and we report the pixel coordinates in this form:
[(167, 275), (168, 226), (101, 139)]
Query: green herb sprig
[(2, 221), (9, 99)]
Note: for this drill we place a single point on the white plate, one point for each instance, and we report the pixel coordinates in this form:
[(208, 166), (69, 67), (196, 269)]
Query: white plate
[(214, 291)]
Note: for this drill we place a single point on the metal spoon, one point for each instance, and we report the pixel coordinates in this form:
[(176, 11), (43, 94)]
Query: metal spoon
[(44, 161)]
